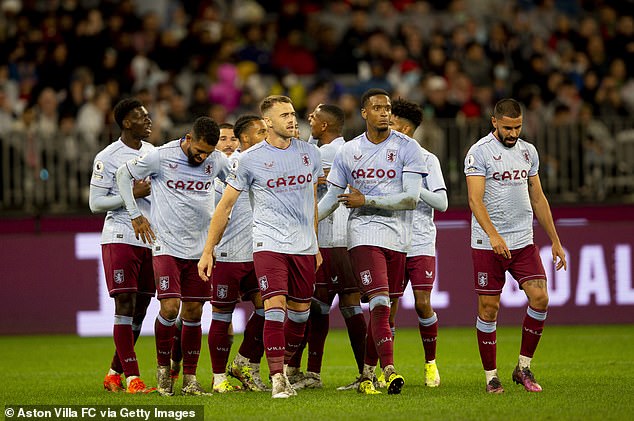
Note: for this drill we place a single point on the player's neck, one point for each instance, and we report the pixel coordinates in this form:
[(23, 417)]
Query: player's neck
[(377, 136), (131, 142), (279, 142), (326, 139)]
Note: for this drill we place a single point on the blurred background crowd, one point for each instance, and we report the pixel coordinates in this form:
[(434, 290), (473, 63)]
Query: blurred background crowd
[(65, 63)]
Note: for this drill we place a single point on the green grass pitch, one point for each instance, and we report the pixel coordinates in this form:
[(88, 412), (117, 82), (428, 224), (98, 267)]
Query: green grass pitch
[(587, 373)]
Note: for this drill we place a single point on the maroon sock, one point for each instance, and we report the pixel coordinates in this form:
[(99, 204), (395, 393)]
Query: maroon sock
[(163, 336), (177, 352), (371, 357), (191, 336), (487, 343), (319, 324), (428, 335), (296, 359), (274, 339), (532, 331), (115, 364), (294, 336), (382, 334), (219, 345), (357, 330), (252, 346), (124, 343)]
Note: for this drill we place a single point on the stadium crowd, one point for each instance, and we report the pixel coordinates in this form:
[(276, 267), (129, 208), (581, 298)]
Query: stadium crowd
[(65, 63)]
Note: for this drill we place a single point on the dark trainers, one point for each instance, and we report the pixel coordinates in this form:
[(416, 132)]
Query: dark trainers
[(525, 377), (495, 386)]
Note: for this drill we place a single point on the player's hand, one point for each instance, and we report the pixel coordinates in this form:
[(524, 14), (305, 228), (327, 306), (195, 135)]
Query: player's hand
[(322, 181), (141, 188), (143, 230), (558, 252), (499, 246), (205, 265), (318, 261), (354, 199)]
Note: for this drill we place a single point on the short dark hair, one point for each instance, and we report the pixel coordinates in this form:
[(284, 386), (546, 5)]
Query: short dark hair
[(207, 130), (271, 100), (408, 110), (243, 122), (370, 93), (337, 115), (225, 126), (507, 107), (123, 108)]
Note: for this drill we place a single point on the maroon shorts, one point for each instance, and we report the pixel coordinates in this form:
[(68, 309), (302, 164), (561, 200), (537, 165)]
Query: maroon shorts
[(421, 272), (378, 270), (178, 278), (489, 268), (292, 275), (231, 281), (128, 269), (335, 273)]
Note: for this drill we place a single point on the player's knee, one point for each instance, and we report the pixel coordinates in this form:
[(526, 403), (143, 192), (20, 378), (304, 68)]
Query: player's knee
[(169, 308), (424, 309), (379, 300), (539, 302), (320, 307)]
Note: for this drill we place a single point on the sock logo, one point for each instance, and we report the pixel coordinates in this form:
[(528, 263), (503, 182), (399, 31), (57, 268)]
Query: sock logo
[(534, 332), (384, 340), (489, 342)]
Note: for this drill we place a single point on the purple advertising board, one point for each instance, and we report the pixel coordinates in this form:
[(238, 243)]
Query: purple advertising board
[(52, 278)]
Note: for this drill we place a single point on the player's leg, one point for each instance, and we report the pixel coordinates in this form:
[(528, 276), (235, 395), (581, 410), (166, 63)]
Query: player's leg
[(301, 285), (527, 267), (272, 272), (486, 325), (350, 307), (489, 279), (195, 292), (319, 322), (122, 265), (420, 271), (177, 352), (220, 346), (396, 282), (168, 286), (246, 364)]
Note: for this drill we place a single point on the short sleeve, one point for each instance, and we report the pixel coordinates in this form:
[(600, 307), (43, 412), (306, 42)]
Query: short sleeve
[(338, 174), (435, 180), (474, 163), (415, 159), (145, 166)]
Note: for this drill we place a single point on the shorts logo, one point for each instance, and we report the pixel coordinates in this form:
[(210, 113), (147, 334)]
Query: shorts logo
[(334, 279), (483, 279), (366, 278), (391, 155), (164, 283), (118, 276), (263, 282), (221, 291), (429, 274)]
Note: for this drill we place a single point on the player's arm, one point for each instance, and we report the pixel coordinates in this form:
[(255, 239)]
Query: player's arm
[(544, 216), (437, 199), (217, 227), (141, 225), (475, 188), (318, 258), (101, 201), (407, 199), (329, 202)]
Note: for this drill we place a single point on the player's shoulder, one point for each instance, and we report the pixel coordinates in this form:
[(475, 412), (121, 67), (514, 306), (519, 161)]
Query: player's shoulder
[(483, 143), (110, 151), (524, 144)]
